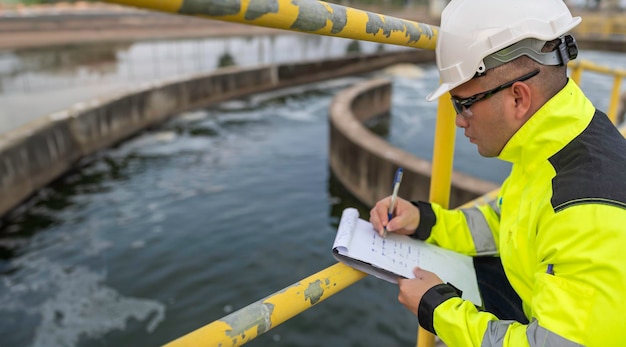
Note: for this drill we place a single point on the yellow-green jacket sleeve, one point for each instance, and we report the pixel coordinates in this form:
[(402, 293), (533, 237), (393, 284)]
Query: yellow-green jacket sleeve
[(471, 231)]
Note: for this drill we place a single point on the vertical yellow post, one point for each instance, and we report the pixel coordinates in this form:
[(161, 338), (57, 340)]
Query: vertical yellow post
[(443, 152), (577, 72), (612, 112), (441, 177)]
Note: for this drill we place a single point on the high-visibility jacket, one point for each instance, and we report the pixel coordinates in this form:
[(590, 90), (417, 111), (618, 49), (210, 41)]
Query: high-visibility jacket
[(559, 226)]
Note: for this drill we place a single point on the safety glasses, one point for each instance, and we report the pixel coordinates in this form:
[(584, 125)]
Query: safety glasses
[(461, 105)]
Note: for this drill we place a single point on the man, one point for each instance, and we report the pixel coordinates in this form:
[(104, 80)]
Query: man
[(550, 251)]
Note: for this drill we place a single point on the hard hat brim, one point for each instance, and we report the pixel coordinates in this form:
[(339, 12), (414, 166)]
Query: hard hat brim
[(442, 89)]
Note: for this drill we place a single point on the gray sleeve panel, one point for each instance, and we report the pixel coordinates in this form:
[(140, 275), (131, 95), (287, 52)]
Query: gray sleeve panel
[(481, 233), (494, 335), (494, 206), (537, 336)]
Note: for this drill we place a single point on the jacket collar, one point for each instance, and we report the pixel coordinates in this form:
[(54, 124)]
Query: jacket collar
[(553, 126)]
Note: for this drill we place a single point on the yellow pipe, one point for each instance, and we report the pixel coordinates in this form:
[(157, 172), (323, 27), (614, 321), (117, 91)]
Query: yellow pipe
[(614, 103), (587, 65), (309, 16), (619, 74), (577, 72), (257, 318), (443, 152), (441, 177)]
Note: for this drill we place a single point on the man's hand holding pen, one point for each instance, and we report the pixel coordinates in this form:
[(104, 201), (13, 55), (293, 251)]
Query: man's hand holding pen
[(405, 219), (397, 179)]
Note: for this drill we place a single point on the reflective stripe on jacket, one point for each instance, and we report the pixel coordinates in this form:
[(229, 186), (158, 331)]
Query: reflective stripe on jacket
[(559, 226)]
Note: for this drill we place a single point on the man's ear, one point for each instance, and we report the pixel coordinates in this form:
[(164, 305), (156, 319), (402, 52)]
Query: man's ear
[(523, 100)]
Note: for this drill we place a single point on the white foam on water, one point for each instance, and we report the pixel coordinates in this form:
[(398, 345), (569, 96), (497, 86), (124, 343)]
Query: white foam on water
[(297, 115), (193, 116), (243, 117), (138, 244), (72, 303)]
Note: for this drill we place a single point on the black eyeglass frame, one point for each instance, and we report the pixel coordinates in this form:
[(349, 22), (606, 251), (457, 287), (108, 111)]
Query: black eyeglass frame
[(461, 105)]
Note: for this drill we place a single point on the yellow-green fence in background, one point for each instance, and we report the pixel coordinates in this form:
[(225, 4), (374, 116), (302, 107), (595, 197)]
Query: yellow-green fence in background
[(602, 25), (577, 68)]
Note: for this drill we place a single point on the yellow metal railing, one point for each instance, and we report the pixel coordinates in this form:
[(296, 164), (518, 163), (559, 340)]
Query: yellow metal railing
[(320, 18), (255, 319), (577, 68), (308, 16), (441, 176), (601, 25)]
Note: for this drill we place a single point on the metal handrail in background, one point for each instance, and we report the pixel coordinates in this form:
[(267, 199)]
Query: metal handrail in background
[(601, 25), (577, 68)]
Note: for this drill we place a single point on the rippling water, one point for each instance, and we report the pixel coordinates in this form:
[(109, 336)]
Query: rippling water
[(214, 210), (180, 226)]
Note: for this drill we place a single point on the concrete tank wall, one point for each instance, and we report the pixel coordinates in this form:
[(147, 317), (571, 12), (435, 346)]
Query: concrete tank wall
[(41, 151), (365, 163)]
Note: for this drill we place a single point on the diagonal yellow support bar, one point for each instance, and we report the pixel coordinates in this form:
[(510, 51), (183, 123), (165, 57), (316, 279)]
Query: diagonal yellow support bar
[(307, 16), (257, 318)]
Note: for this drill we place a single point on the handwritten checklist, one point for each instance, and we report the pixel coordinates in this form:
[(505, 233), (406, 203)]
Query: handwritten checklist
[(357, 244)]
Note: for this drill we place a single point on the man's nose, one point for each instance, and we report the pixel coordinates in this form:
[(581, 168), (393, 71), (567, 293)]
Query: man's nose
[(461, 121)]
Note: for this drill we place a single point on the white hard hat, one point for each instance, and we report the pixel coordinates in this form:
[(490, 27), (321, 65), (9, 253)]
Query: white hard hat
[(471, 30)]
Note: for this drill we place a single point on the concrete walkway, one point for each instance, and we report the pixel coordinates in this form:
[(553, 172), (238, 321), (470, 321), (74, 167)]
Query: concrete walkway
[(19, 109)]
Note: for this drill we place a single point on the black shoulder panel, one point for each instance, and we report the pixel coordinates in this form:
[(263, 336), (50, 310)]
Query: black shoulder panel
[(591, 168)]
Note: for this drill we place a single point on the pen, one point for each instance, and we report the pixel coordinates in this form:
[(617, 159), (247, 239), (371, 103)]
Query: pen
[(394, 195)]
